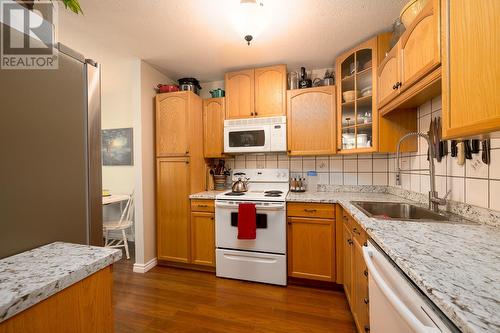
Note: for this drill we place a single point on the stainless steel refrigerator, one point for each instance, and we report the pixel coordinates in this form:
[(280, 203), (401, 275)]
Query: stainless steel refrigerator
[(50, 155)]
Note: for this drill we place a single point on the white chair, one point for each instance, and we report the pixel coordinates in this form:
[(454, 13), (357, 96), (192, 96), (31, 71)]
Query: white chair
[(122, 225)]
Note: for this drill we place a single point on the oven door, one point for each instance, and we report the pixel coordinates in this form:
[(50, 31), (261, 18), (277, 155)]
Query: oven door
[(271, 227), (247, 139)]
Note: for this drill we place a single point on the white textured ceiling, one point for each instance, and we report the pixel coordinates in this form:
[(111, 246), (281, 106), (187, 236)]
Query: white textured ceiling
[(196, 37)]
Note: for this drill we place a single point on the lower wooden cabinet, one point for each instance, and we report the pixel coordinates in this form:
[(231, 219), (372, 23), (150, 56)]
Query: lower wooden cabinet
[(203, 238), (355, 272), (311, 242)]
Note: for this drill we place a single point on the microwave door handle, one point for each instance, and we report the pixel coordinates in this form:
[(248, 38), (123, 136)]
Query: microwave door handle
[(395, 301)]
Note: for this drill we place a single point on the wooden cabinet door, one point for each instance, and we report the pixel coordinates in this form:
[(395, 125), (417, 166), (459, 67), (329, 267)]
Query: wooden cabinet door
[(420, 45), (172, 123), (471, 67), (311, 248), (360, 302), (348, 261), (203, 239), (172, 209), (240, 94), (388, 77), (311, 121), (270, 91), (213, 127)]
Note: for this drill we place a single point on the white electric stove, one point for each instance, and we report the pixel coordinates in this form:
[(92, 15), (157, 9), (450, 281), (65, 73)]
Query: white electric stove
[(264, 258)]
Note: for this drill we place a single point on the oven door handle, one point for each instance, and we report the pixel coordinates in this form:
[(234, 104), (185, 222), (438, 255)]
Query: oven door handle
[(258, 208)]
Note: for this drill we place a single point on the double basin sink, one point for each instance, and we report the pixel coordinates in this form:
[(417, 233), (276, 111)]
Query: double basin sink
[(399, 211)]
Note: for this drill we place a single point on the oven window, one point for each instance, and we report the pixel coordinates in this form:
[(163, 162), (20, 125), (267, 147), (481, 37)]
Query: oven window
[(261, 220), (255, 138)]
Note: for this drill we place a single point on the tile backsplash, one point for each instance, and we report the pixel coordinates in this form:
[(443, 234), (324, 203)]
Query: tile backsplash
[(474, 183)]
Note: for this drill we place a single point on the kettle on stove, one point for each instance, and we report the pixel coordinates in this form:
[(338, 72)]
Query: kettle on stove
[(241, 185)]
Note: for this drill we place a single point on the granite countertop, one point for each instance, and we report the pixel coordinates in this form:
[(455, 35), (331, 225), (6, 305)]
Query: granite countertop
[(208, 195), (32, 276), (456, 265)]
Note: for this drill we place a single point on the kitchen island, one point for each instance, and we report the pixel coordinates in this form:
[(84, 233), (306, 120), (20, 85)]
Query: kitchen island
[(59, 287)]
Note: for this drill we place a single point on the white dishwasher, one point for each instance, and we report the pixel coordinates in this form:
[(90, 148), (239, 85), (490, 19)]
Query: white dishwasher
[(396, 306)]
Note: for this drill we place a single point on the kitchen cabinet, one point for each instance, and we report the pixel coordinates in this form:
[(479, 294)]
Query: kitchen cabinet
[(410, 74), (176, 114), (388, 77), (240, 94), (270, 91), (471, 70), (180, 171), (355, 277), (357, 118), (202, 233), (311, 121), (172, 211), (420, 45), (311, 242), (213, 127), (259, 92)]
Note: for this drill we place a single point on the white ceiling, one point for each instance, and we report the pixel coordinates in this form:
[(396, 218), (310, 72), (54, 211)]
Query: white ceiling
[(197, 38)]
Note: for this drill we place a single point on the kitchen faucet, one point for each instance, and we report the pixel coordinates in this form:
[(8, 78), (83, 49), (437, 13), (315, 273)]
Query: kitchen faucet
[(434, 199)]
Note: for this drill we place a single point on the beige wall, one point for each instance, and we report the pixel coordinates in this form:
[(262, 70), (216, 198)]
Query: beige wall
[(145, 173)]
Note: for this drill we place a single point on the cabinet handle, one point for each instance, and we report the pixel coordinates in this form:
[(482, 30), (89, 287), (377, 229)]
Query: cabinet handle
[(394, 87), (398, 84), (187, 152), (366, 301), (349, 241), (365, 273), (309, 210), (187, 162), (212, 218), (203, 206), (367, 328), (255, 113), (251, 113), (355, 230)]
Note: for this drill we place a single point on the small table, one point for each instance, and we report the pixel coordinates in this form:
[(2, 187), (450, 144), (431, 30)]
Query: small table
[(115, 198)]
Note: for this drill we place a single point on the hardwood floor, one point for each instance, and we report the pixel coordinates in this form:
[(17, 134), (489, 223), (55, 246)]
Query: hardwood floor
[(177, 300)]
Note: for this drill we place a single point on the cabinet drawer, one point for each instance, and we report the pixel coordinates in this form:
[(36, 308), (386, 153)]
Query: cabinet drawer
[(299, 209), (202, 205)]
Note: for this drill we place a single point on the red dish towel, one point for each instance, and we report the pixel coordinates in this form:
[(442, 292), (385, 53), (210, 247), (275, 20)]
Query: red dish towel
[(247, 221)]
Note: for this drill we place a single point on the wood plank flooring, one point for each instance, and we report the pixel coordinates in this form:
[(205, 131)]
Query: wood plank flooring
[(180, 301)]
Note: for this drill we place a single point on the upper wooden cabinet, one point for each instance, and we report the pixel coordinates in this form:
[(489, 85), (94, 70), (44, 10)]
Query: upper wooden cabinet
[(213, 127), (420, 45), (471, 67), (388, 77), (357, 120), (256, 92), (311, 121), (240, 94), (270, 91), (410, 74), (178, 123)]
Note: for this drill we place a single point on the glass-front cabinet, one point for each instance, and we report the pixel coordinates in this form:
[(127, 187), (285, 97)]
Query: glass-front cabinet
[(357, 117)]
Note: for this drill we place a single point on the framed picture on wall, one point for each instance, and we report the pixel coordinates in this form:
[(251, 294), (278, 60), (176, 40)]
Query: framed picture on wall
[(117, 146)]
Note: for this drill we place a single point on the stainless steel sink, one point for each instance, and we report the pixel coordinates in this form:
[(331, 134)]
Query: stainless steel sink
[(398, 211)]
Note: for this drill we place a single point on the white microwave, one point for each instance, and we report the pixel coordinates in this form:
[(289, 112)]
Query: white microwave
[(255, 135)]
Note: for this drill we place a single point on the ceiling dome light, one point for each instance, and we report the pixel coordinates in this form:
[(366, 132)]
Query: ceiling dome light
[(250, 19)]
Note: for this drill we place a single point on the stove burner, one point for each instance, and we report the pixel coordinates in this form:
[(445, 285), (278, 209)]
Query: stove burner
[(276, 192), (234, 194), (274, 195)]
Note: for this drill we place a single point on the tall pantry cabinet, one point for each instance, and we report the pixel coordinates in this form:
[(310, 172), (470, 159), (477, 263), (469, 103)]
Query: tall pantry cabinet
[(180, 170)]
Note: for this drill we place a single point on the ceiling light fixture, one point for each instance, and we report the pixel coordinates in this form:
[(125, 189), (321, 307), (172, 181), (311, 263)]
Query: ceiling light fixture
[(250, 18)]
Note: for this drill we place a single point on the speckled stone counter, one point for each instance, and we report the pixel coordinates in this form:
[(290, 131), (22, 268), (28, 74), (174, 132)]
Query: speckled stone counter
[(457, 266), (208, 195), (32, 276)]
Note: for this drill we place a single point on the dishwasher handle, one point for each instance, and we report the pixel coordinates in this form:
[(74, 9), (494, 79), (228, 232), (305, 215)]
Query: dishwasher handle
[(408, 316)]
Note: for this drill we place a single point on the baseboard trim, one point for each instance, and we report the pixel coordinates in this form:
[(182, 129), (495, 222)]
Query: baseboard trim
[(143, 268)]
